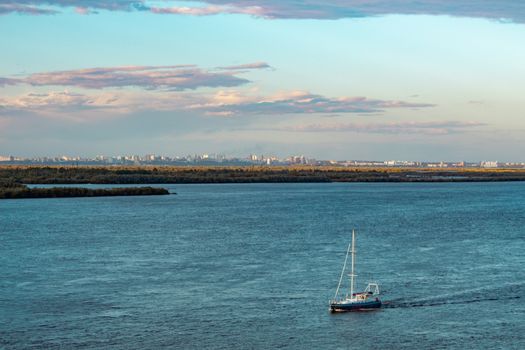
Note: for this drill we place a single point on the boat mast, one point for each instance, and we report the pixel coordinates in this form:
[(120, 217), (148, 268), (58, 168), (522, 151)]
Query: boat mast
[(353, 261)]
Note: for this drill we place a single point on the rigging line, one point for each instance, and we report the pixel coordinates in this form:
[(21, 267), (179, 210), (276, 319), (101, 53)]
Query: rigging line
[(342, 272)]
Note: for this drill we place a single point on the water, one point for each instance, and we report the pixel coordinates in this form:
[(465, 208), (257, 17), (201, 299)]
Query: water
[(253, 266)]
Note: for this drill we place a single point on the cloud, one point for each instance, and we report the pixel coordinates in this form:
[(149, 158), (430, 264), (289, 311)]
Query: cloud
[(256, 11), (8, 81), (513, 10), (184, 10), (336, 9), (45, 7), (301, 102), (63, 105), (221, 104), (412, 127), (181, 77), (255, 65), (24, 9), (57, 100), (84, 11)]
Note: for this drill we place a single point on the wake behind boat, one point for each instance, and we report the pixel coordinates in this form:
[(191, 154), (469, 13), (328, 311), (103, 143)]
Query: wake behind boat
[(366, 300)]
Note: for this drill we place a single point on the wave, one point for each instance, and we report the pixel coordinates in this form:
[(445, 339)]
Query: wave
[(505, 292)]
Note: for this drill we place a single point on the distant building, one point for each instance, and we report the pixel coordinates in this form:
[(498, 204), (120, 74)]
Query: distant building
[(405, 163), (489, 164), (150, 157), (298, 160)]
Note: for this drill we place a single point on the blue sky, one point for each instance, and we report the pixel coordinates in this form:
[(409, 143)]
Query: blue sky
[(426, 80)]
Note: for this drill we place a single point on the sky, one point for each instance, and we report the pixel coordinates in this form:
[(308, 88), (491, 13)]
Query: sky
[(330, 79)]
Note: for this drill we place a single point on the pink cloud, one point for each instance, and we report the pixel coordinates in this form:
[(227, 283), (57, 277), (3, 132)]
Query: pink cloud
[(10, 7), (209, 10), (56, 101), (175, 77), (193, 11), (255, 65), (411, 127), (222, 103), (8, 81), (67, 106), (84, 10), (335, 9), (308, 9), (300, 102), (42, 7)]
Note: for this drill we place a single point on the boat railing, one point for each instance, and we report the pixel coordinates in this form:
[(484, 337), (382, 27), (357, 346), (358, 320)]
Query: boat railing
[(372, 288)]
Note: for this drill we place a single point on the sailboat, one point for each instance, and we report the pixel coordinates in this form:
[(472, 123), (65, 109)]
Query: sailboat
[(355, 301)]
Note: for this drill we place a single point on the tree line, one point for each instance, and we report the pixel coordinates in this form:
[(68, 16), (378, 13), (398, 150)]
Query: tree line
[(12, 190), (248, 174)]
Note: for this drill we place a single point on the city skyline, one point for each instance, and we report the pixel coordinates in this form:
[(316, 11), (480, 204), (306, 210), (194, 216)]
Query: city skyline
[(219, 159), (426, 81)]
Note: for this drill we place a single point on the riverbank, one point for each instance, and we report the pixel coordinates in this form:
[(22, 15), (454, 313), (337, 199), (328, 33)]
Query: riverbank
[(252, 174), (15, 191)]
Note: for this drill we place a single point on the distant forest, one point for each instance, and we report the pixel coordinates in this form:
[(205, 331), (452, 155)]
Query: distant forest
[(248, 174)]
